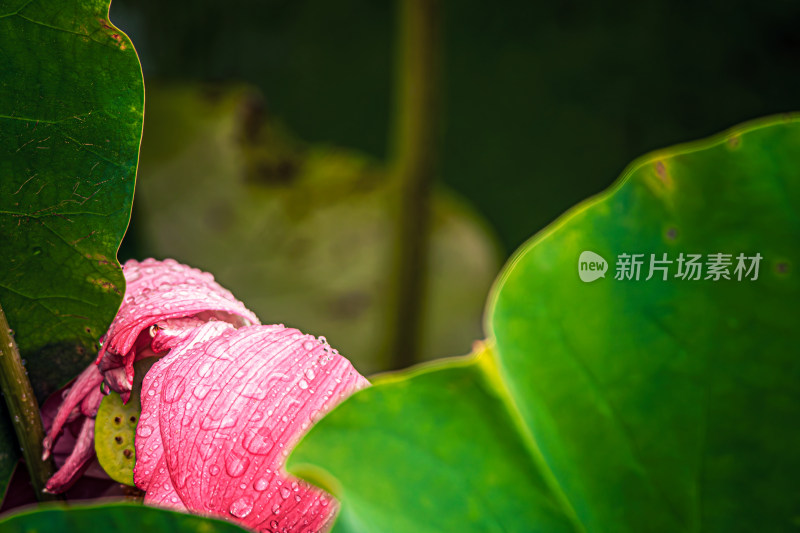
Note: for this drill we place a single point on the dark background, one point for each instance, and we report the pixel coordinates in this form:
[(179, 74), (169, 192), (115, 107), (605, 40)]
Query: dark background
[(545, 103)]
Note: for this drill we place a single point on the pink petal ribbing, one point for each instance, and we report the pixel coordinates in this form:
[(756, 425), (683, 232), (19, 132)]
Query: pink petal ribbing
[(165, 496), (229, 410), (149, 446), (157, 291)]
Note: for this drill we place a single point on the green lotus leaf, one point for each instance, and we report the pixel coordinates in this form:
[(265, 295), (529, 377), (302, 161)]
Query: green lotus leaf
[(71, 105), (118, 517), (612, 404)]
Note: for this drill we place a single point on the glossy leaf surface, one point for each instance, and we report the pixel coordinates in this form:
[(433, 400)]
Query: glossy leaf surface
[(118, 517), (650, 405), (71, 105)]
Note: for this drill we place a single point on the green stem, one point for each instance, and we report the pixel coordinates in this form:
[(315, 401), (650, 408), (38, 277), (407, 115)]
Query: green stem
[(414, 167), (24, 410)]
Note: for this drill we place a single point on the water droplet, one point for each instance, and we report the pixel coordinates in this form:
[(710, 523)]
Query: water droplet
[(274, 524), (201, 391), (173, 390), (204, 370), (257, 440), (205, 446), (303, 384), (276, 509), (310, 373), (308, 345), (254, 390), (144, 431), (228, 421), (285, 418), (285, 493), (242, 507), (214, 470), (236, 464), (261, 484)]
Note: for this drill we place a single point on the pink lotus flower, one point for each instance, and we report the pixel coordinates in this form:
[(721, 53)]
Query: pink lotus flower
[(221, 408)]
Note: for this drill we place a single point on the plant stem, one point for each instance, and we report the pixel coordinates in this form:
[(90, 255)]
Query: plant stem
[(24, 410), (414, 166)]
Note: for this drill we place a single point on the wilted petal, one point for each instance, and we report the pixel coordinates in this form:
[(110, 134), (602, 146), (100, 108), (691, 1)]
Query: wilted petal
[(229, 410), (91, 402), (89, 380), (158, 291), (77, 462)]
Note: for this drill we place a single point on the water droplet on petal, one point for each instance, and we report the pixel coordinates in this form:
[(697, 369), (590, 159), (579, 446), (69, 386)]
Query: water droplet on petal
[(214, 470), (310, 373), (242, 507), (144, 431), (261, 484), (173, 389), (254, 390), (201, 391), (236, 464), (285, 493), (228, 421), (303, 384), (257, 440), (204, 370), (276, 509)]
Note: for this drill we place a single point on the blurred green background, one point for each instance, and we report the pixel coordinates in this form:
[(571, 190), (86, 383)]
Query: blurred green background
[(544, 104)]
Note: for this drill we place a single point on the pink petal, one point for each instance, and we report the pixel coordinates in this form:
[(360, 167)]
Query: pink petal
[(157, 291), (76, 463), (89, 380), (91, 402), (229, 410), (149, 451), (162, 493)]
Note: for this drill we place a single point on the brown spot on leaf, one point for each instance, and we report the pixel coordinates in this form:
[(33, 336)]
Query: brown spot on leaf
[(672, 233), (661, 170)]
